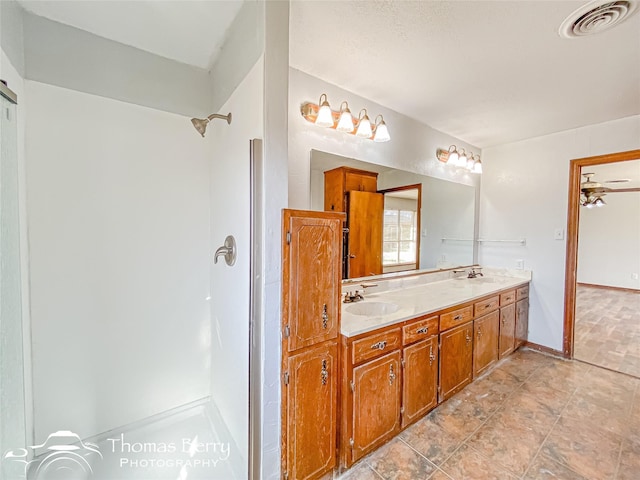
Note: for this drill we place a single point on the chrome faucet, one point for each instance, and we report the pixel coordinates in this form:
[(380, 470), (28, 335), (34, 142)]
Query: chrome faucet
[(474, 272), (351, 297)]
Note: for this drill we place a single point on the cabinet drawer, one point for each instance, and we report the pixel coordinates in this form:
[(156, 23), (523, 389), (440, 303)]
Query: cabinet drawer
[(507, 298), (522, 292), (486, 306), (375, 345), (457, 317), (419, 329)]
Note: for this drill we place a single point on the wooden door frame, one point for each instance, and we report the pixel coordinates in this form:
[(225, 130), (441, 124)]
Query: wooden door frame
[(573, 211), (417, 186)]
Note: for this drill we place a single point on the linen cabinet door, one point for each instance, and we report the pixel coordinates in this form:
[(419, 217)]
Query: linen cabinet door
[(311, 277), (522, 322), (365, 233), (376, 403), (456, 359), (485, 350), (419, 379), (312, 399), (507, 329)]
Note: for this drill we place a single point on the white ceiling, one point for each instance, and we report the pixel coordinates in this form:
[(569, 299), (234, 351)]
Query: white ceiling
[(188, 31), (487, 72), (629, 170)]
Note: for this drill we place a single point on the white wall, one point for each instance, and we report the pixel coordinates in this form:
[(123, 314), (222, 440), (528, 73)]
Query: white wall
[(230, 215), (118, 209), (524, 195), (609, 241), (412, 147), (16, 82)]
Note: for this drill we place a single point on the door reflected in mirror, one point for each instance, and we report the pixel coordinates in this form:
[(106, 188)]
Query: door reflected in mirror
[(408, 221)]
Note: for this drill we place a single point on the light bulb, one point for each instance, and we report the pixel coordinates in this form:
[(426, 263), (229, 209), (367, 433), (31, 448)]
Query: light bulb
[(345, 124), (381, 133), (452, 159), (471, 161), (462, 159), (364, 125), (325, 116), (477, 167)]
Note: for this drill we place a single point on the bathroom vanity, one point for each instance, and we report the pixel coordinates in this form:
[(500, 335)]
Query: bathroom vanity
[(355, 374), (417, 346)]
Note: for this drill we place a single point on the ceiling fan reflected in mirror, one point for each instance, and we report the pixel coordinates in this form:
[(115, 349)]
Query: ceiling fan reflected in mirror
[(591, 192)]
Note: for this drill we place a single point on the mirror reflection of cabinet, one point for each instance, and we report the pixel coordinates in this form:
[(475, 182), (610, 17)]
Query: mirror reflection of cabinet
[(355, 192)]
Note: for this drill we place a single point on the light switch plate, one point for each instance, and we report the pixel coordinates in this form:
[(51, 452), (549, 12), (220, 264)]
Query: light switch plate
[(558, 234), (519, 264)]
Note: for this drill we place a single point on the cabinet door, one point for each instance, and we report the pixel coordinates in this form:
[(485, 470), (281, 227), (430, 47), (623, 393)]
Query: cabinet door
[(507, 329), (486, 333), (456, 359), (312, 397), (362, 182), (365, 233), (311, 277), (522, 322), (419, 379), (376, 403)]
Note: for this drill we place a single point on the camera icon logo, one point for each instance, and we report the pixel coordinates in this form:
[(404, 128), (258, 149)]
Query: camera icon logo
[(65, 457)]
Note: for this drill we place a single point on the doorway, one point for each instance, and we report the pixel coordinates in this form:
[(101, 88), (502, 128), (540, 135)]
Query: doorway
[(588, 307)]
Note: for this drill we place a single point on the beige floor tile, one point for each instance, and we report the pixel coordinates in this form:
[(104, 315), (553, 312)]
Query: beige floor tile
[(398, 461), (468, 464), (589, 451), (629, 468), (362, 471), (544, 468), (431, 440)]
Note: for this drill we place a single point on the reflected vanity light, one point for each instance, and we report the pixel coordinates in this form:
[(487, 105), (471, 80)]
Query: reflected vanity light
[(321, 114), (459, 158)]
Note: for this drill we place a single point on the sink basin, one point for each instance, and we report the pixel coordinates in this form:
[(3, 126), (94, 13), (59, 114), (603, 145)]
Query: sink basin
[(372, 309)]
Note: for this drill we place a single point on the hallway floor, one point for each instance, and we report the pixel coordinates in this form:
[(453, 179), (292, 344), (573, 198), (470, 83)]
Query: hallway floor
[(532, 417), (607, 330)]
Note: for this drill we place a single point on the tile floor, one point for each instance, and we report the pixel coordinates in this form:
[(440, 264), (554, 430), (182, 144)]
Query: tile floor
[(532, 417), (607, 330)]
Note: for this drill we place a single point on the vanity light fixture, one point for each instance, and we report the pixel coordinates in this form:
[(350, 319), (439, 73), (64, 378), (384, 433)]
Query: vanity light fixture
[(459, 158), (381, 133), (325, 115), (364, 125), (321, 114), (345, 124)]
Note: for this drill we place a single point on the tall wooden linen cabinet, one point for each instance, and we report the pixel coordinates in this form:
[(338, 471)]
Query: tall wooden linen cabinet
[(311, 281)]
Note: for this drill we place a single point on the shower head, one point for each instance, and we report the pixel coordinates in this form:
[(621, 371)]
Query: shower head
[(200, 124)]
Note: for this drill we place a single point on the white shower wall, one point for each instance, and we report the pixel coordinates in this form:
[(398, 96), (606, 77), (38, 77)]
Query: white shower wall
[(118, 212), (230, 215)]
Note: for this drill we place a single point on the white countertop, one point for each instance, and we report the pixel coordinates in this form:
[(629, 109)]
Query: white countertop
[(423, 299)]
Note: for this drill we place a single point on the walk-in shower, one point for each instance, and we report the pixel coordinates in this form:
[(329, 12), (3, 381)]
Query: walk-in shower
[(201, 123)]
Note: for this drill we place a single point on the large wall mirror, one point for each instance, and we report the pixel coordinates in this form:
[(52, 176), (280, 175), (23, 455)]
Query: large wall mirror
[(426, 223)]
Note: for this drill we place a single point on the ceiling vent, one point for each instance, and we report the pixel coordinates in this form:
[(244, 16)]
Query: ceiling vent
[(596, 17)]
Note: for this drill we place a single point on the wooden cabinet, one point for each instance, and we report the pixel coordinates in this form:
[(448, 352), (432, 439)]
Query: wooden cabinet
[(311, 416), (354, 192), (507, 329), (485, 349), (376, 404), (419, 379), (456, 359), (311, 277), (344, 179), (311, 253), (522, 322)]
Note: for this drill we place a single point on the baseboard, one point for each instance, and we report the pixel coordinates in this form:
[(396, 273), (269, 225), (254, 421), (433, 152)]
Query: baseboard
[(608, 287), (543, 349)]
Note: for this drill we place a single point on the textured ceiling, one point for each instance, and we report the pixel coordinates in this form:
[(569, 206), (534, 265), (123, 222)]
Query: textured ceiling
[(188, 31), (487, 72)]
